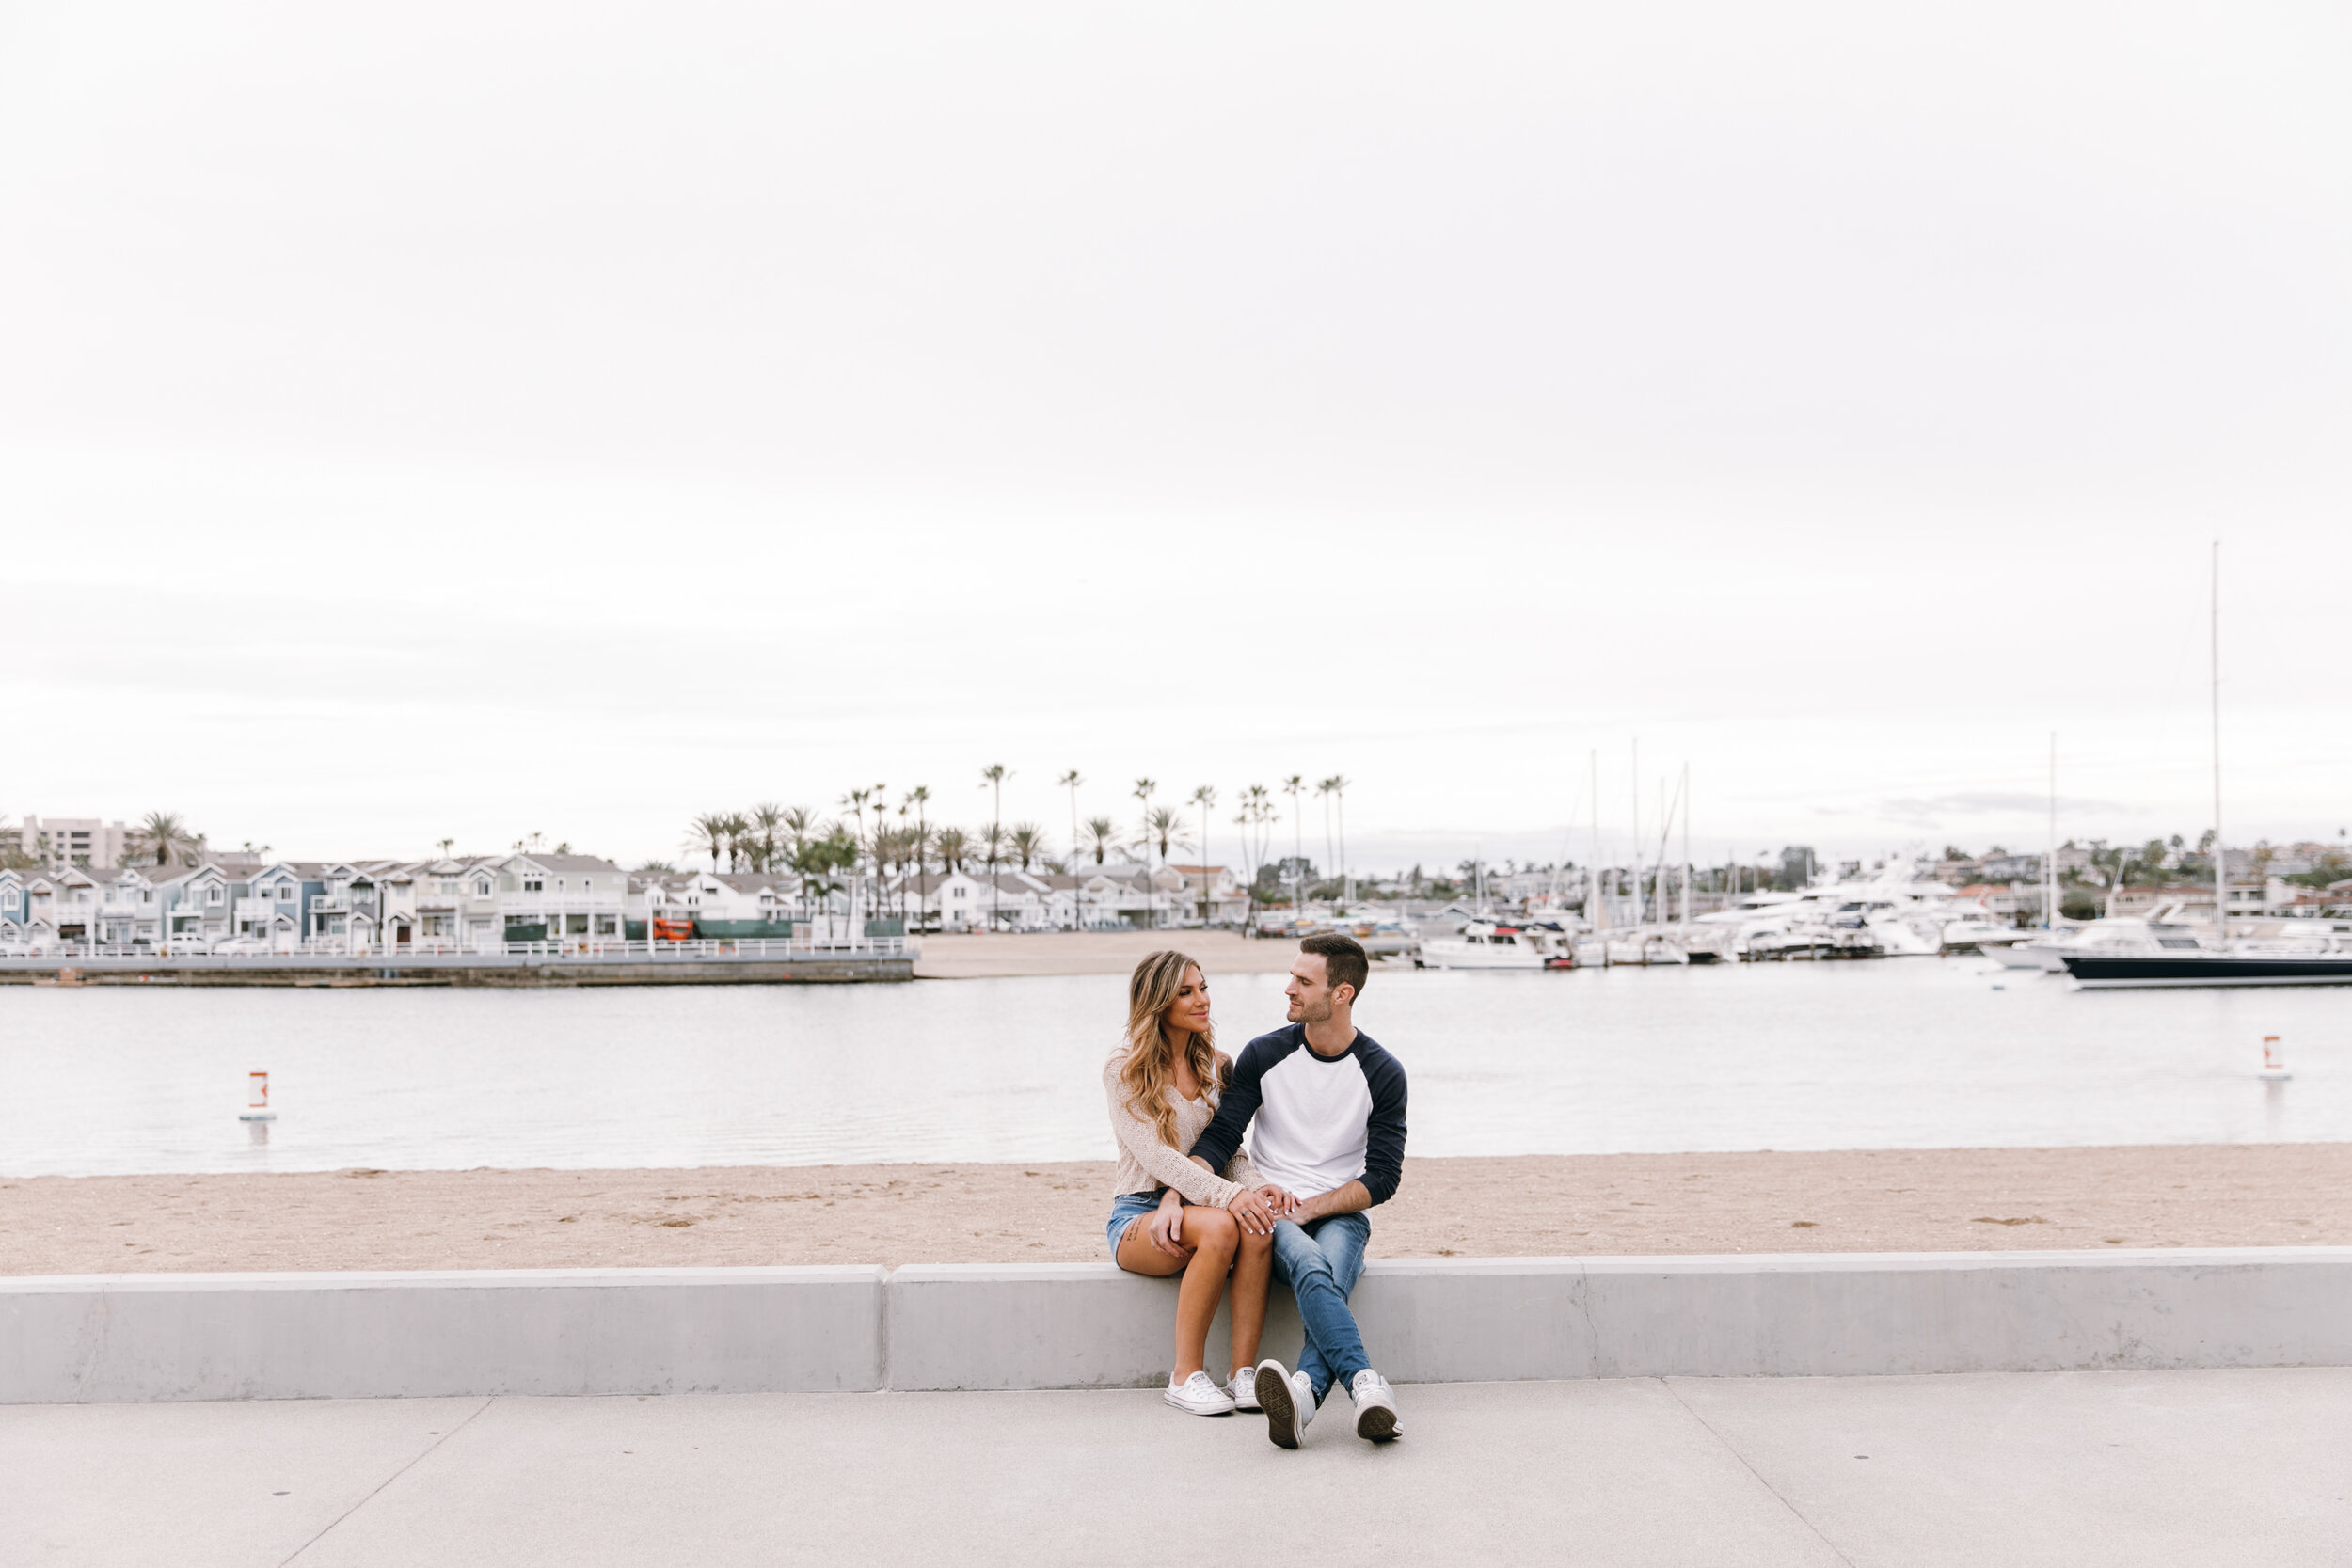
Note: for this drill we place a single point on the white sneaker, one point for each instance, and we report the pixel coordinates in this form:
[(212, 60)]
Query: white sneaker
[(1244, 1388), (1199, 1395), (1289, 1400), (1375, 1407)]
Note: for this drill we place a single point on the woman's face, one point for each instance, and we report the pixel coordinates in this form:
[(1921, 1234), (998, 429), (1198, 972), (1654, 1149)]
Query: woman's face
[(1189, 1012)]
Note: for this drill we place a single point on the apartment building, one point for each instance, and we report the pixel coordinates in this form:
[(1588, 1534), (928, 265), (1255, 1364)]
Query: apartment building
[(57, 842)]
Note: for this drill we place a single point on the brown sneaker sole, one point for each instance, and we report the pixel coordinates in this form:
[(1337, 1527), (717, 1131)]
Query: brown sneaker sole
[(1376, 1424)]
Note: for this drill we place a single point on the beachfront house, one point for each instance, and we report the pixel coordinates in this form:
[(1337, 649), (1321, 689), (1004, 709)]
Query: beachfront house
[(195, 905), (274, 904), (562, 898), (15, 901), (1216, 894)]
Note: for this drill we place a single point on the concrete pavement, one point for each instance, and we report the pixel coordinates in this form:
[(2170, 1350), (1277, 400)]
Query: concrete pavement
[(2072, 1468)]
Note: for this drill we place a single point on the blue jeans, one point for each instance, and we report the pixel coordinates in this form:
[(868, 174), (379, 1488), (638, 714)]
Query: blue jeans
[(1321, 1261)]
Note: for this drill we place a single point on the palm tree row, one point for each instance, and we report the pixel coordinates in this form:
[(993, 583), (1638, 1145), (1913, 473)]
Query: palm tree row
[(900, 845)]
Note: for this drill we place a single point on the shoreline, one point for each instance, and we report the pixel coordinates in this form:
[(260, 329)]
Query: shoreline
[(1886, 1200), (1039, 954)]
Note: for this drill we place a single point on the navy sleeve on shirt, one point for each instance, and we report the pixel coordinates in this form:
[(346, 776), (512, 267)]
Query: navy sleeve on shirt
[(1384, 1133), (1233, 1110)]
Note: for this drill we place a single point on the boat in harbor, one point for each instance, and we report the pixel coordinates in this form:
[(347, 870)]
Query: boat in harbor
[(2314, 952), (1495, 944)]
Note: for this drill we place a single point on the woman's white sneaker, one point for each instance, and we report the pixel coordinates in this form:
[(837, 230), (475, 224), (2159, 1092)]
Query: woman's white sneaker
[(1289, 1400), (1244, 1388), (1199, 1395), (1375, 1407)]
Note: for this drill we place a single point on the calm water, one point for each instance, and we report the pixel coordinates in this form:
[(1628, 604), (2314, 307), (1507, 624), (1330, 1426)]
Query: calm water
[(1914, 1054)]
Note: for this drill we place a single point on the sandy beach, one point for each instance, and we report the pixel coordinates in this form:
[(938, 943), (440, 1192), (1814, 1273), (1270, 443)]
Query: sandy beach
[(2263, 1195), (974, 957)]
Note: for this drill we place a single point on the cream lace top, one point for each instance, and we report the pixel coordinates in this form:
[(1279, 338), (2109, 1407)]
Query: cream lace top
[(1146, 1164)]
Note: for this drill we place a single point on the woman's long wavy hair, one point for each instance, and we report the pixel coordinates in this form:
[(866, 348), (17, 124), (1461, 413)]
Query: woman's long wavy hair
[(1149, 1071)]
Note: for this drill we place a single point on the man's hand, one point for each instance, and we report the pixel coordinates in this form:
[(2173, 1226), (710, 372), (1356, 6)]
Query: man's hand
[(1283, 1202), (1162, 1230), (1348, 1198), (1251, 1210)]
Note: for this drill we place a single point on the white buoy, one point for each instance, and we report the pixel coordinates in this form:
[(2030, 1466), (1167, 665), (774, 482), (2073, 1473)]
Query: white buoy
[(257, 1108), (2274, 1061)]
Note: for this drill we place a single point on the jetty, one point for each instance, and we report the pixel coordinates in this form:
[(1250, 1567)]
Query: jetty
[(514, 965)]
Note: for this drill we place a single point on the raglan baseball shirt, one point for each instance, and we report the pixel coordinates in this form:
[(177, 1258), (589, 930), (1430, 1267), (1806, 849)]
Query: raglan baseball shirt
[(1322, 1122)]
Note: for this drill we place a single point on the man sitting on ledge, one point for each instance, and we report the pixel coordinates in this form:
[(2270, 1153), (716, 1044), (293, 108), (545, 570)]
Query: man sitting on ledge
[(1329, 1106)]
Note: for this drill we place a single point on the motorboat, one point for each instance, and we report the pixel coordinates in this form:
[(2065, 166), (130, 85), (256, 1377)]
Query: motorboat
[(1970, 934), (1495, 944), (2174, 955)]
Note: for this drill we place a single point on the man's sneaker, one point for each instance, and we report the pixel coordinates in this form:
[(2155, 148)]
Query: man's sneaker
[(1244, 1388), (1375, 1407), (1289, 1400), (1199, 1395)]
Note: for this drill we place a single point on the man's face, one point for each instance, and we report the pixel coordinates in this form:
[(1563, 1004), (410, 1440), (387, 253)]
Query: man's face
[(1310, 990)]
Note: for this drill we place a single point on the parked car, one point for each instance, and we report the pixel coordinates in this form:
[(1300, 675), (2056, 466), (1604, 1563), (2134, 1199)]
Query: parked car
[(242, 944)]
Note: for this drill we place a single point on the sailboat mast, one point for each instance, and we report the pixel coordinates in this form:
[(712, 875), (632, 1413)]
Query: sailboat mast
[(1597, 914), (1686, 844), (2220, 855), (2049, 862)]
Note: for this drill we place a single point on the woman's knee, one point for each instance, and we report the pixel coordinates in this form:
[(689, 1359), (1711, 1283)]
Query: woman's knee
[(1214, 1230), (1255, 1242)]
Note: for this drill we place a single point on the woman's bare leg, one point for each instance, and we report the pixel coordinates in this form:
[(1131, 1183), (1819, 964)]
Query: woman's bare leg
[(1253, 1266), (1212, 1236)]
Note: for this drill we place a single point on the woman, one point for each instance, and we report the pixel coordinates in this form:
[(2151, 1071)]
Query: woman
[(1170, 1215)]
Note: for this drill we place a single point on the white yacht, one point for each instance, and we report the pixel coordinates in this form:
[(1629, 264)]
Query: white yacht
[(1494, 945)]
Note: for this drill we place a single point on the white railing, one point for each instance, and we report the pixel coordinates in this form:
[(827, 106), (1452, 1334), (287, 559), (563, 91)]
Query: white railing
[(607, 949)]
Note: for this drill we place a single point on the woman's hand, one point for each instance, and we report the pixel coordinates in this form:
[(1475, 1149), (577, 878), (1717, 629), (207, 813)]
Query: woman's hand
[(1282, 1202), (1251, 1212), (1165, 1221)]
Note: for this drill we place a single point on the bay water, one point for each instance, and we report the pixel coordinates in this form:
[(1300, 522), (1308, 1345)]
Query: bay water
[(1899, 1053)]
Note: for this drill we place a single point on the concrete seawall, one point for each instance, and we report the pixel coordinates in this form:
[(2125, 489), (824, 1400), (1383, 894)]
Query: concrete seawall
[(71, 1339)]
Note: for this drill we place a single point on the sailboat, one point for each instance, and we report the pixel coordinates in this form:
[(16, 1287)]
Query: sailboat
[(2321, 955)]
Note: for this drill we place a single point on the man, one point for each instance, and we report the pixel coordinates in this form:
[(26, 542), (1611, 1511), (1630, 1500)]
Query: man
[(1330, 1109)]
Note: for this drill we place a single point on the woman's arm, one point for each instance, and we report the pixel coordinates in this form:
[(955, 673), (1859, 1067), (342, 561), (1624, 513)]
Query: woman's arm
[(1140, 1139)]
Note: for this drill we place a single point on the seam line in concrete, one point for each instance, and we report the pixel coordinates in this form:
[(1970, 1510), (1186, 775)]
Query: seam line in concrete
[(430, 1450), (1794, 1511)]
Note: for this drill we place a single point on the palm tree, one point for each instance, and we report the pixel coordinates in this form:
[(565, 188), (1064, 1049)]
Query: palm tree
[(1255, 820), (1101, 836), (165, 835), (857, 800), (1338, 786), (1205, 797), (767, 818), (953, 843), (1070, 782), (994, 777), (1028, 842), (1324, 791), (739, 836), (708, 832), (993, 845), (1291, 787), (918, 798)]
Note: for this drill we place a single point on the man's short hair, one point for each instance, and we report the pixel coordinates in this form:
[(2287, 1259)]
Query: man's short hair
[(1345, 962)]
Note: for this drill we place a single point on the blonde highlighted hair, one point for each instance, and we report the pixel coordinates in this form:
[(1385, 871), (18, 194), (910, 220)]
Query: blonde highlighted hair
[(1149, 1071)]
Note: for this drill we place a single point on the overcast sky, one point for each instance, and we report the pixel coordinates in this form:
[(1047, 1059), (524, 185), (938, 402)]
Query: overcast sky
[(467, 420)]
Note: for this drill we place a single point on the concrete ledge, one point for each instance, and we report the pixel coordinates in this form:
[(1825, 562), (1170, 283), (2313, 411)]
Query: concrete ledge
[(1088, 1325), (74, 1338)]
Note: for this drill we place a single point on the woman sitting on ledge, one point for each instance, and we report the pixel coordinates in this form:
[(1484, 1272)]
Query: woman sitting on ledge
[(1171, 1213)]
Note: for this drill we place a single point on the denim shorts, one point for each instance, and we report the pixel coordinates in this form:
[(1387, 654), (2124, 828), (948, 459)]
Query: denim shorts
[(1124, 1208)]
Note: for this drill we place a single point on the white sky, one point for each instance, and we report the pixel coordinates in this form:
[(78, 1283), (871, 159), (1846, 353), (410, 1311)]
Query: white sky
[(482, 418)]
